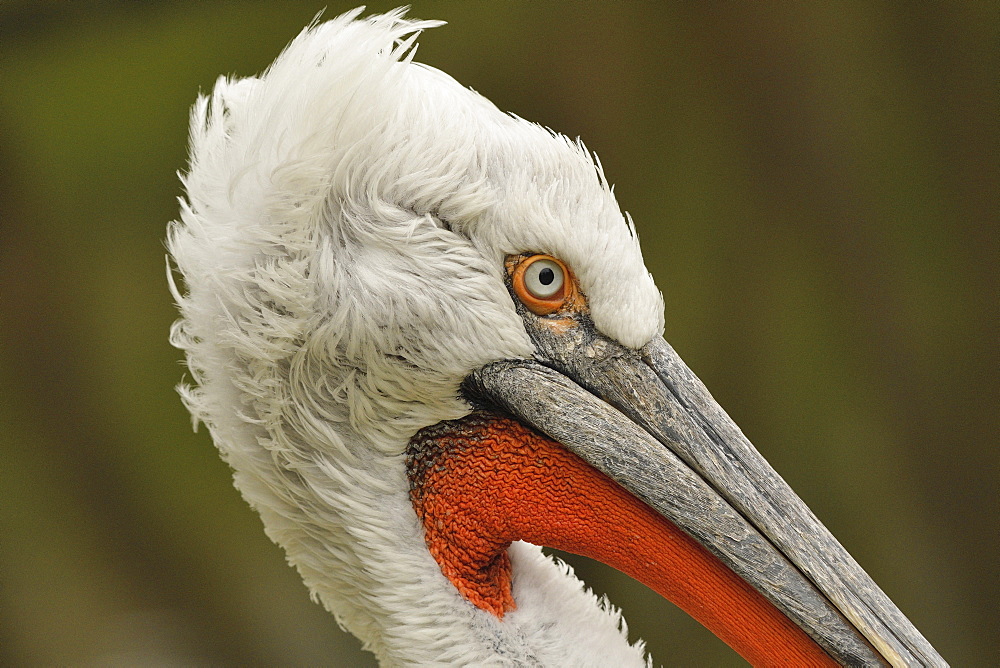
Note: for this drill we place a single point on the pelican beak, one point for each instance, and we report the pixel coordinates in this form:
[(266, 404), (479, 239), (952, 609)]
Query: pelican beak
[(646, 422)]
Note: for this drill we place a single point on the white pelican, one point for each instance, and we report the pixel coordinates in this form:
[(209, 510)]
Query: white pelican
[(423, 336)]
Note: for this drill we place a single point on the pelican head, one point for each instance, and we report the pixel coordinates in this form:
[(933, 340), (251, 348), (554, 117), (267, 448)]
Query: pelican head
[(422, 335)]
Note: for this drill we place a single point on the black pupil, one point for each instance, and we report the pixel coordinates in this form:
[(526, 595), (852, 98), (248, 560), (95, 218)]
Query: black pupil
[(546, 276)]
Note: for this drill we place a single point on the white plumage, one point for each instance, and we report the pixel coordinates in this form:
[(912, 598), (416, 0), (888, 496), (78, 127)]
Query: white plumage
[(342, 246)]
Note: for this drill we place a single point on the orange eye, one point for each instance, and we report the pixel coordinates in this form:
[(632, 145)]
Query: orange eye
[(542, 282)]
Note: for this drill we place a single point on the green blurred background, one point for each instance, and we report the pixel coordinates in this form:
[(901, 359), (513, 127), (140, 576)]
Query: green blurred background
[(816, 188)]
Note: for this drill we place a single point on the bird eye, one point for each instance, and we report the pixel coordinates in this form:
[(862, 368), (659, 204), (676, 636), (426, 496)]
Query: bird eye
[(541, 282), (543, 278)]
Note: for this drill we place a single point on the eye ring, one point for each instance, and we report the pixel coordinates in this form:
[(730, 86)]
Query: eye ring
[(542, 283)]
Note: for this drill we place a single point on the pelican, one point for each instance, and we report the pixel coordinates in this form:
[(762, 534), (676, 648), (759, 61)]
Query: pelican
[(421, 333)]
